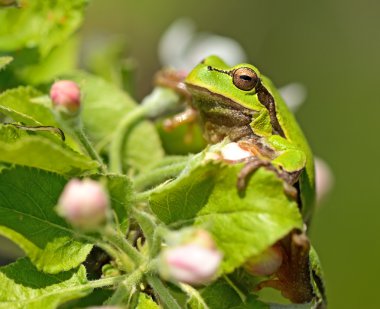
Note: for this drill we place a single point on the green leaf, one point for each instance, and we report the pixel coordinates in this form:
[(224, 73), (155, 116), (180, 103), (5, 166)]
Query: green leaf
[(43, 153), (28, 106), (4, 61), (24, 287), (27, 217), (180, 200), (242, 226), (245, 226), (220, 295), (96, 298), (60, 60), (104, 106), (40, 24), (122, 197), (21, 105), (145, 302)]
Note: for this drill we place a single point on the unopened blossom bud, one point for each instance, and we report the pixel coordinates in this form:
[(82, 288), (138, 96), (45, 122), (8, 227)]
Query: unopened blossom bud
[(266, 263), (83, 203), (65, 95), (234, 152), (324, 179), (195, 262)]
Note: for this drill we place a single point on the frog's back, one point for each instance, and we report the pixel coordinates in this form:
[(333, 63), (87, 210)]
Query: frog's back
[(294, 134)]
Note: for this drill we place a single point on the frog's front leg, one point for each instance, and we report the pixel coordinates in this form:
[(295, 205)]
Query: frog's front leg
[(253, 164), (175, 80), (276, 154)]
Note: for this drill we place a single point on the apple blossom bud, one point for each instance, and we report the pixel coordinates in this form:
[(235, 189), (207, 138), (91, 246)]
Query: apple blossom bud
[(65, 95), (324, 179), (83, 203), (234, 152), (266, 263), (195, 262)]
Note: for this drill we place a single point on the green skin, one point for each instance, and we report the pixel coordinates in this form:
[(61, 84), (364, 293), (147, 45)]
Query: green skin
[(260, 115)]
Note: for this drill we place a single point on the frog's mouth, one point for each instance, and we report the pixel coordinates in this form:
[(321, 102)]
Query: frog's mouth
[(204, 99)]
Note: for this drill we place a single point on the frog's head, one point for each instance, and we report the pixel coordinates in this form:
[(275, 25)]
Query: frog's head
[(238, 83)]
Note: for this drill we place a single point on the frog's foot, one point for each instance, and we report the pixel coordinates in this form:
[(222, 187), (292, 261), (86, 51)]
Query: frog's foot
[(253, 165), (188, 116), (173, 79), (293, 278), (52, 129)]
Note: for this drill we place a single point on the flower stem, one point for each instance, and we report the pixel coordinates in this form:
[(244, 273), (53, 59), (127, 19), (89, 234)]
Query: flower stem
[(78, 130), (158, 102), (118, 240), (162, 292), (117, 144), (126, 288), (158, 175)]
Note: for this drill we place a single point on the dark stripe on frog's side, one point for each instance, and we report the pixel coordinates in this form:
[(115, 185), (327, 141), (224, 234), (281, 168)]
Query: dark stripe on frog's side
[(267, 100)]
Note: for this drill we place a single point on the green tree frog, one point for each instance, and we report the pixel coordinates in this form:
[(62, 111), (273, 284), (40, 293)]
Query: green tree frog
[(242, 105)]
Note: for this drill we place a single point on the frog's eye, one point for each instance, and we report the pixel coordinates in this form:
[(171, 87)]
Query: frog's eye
[(245, 78)]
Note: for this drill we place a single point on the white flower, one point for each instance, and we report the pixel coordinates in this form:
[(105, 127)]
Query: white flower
[(182, 47)]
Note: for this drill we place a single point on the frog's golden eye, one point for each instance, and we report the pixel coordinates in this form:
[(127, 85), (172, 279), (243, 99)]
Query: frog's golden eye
[(245, 78)]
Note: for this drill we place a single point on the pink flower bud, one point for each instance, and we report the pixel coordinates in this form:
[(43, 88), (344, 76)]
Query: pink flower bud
[(83, 203), (190, 263), (195, 261), (65, 94), (266, 263), (324, 179)]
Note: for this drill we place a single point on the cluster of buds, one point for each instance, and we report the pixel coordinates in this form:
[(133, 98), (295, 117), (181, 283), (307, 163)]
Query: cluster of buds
[(195, 261)]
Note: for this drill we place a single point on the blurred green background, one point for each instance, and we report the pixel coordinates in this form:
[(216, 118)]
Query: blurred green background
[(333, 48)]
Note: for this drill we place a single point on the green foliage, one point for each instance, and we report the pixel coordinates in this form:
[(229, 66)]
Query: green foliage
[(37, 47), (104, 106), (62, 159), (27, 198), (4, 61), (40, 24), (145, 302), (243, 226), (23, 286)]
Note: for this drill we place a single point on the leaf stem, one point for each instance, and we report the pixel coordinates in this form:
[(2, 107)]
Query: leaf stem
[(162, 292)]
